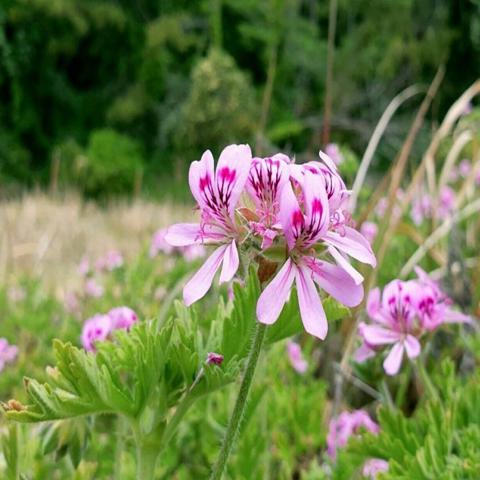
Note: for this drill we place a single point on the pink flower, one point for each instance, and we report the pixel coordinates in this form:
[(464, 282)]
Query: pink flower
[(446, 202), (112, 260), (453, 175), (334, 153), (266, 180), (374, 466), (71, 303), (303, 229), (96, 329), (369, 230), (433, 306), (346, 425), (296, 358), (8, 353), (401, 316), (394, 324), (93, 288), (122, 317), (217, 194), (84, 266), (421, 209), (465, 168), (159, 244), (214, 358)]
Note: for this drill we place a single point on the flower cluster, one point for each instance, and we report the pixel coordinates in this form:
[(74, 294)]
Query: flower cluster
[(350, 424), (276, 209), (100, 327), (8, 353), (423, 206), (401, 316), (346, 425)]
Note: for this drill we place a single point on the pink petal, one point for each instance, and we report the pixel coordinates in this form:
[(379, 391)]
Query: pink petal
[(311, 310), (200, 283), (316, 202), (237, 159), (373, 302), (375, 335), (182, 234), (412, 346), (230, 263), (336, 282), (200, 178), (394, 359), (353, 244), (363, 352), (275, 295), (346, 265), (289, 210)]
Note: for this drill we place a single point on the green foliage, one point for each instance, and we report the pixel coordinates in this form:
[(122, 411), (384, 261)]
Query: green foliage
[(439, 441), (110, 164), (220, 106)]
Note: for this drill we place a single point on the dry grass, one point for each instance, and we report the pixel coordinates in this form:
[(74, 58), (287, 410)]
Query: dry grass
[(46, 237)]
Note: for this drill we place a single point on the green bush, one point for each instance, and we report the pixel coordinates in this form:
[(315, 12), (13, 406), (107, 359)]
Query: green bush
[(110, 165), (220, 108)]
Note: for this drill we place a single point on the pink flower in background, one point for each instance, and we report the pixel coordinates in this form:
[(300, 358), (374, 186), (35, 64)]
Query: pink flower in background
[(401, 316), (217, 194), (160, 245), (84, 266), (93, 288), (8, 353), (296, 357), (303, 228), (421, 208), (381, 207), (394, 324), (453, 175), (468, 108), (446, 203), (96, 329), (369, 230), (112, 260), (122, 317), (332, 150), (17, 294), (433, 306), (71, 303), (464, 168), (346, 425), (265, 182), (374, 466)]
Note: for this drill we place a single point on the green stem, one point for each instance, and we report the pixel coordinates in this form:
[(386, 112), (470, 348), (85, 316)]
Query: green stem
[(119, 447), (146, 459), (241, 402), (426, 380)]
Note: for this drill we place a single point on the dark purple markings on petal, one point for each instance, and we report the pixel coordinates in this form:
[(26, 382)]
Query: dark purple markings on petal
[(298, 223), (225, 181)]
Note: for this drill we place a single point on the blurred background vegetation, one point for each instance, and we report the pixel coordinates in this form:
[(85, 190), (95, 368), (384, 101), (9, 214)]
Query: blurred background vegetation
[(119, 96)]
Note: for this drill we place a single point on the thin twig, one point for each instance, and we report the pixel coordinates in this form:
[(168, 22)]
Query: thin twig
[(376, 137)]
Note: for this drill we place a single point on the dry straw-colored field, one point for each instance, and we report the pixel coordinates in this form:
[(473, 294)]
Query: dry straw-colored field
[(47, 236)]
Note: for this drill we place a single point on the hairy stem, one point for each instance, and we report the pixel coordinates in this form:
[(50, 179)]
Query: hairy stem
[(241, 402)]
